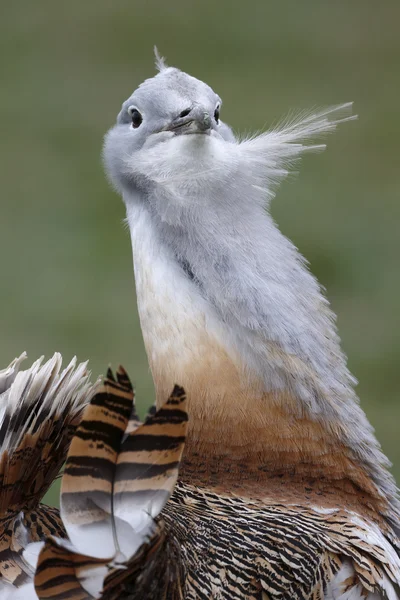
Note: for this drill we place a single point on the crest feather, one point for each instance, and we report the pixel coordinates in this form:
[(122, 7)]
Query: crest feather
[(159, 60)]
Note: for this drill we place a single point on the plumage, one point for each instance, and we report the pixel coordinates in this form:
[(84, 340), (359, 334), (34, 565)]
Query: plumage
[(242, 547), (284, 490), (39, 410), (118, 476)]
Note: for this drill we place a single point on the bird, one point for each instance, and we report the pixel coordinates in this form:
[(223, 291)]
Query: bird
[(40, 408), (283, 491), (107, 540)]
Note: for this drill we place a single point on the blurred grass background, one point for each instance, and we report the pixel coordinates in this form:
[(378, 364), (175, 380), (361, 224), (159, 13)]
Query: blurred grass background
[(67, 280)]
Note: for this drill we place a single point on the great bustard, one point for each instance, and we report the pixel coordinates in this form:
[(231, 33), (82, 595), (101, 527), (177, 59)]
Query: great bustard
[(284, 490)]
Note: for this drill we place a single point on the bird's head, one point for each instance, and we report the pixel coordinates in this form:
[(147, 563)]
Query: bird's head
[(168, 120), (169, 148)]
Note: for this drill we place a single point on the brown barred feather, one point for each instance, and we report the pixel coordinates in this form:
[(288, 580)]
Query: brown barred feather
[(87, 483), (150, 456), (58, 573), (125, 382)]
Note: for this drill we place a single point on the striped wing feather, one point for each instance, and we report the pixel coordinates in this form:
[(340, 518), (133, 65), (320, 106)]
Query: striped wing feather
[(125, 383), (87, 483), (147, 466)]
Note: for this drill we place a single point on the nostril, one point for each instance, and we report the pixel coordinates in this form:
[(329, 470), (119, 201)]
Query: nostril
[(185, 113)]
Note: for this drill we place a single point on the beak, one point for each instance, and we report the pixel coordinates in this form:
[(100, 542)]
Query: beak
[(197, 120)]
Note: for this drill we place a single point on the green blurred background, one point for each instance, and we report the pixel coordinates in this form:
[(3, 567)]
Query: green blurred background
[(67, 280)]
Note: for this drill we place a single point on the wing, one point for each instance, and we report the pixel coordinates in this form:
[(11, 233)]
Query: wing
[(39, 410), (117, 479)]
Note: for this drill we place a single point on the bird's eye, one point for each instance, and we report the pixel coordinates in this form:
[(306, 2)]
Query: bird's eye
[(216, 113), (135, 116)]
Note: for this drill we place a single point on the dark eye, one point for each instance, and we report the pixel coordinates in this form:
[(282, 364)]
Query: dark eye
[(135, 116), (216, 114)]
